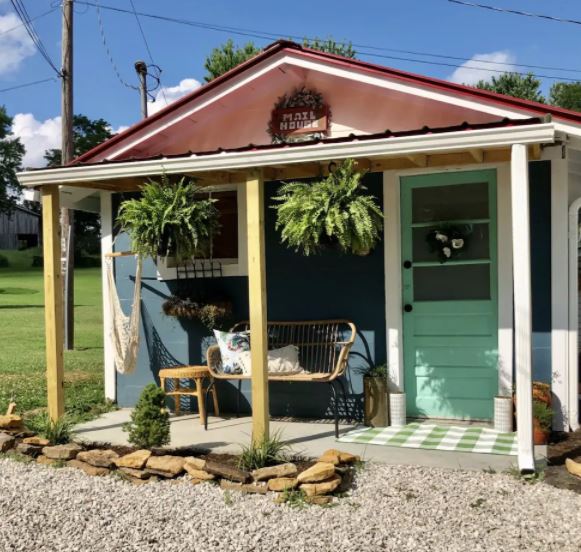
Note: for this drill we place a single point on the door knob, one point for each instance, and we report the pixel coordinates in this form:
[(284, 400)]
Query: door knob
[(407, 264), (408, 308)]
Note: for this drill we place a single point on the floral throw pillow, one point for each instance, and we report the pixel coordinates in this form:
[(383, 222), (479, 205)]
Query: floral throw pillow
[(231, 345)]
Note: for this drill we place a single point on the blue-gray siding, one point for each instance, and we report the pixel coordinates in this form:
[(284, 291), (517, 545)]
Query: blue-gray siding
[(330, 285)]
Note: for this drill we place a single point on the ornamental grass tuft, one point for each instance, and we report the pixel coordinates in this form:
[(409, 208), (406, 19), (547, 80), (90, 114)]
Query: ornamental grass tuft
[(58, 432), (270, 451)]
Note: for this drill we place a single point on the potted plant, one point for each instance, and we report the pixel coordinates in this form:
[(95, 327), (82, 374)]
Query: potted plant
[(169, 220), (375, 396), (542, 421), (335, 211)]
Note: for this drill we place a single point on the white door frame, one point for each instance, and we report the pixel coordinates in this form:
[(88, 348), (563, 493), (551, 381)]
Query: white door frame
[(393, 261)]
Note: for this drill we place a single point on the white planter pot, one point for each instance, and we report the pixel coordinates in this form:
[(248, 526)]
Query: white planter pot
[(503, 414), (397, 411)]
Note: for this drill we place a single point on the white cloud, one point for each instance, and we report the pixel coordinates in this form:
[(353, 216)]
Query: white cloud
[(119, 129), (37, 136), (171, 94), (15, 44), (472, 71)]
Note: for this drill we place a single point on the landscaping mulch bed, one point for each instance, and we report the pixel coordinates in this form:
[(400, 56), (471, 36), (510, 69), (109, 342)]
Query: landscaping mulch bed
[(562, 446)]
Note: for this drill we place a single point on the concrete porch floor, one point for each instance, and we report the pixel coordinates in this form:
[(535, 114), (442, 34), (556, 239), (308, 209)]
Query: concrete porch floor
[(226, 435)]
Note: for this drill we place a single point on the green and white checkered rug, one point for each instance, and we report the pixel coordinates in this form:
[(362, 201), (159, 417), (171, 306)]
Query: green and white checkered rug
[(429, 436)]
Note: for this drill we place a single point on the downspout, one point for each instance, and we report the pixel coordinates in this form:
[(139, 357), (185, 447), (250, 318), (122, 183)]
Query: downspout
[(573, 372)]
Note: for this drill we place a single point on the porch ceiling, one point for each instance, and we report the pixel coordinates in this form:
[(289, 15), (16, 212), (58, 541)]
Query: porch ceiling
[(425, 147)]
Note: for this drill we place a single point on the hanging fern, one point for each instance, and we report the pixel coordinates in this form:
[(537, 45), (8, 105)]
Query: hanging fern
[(169, 220), (335, 210)]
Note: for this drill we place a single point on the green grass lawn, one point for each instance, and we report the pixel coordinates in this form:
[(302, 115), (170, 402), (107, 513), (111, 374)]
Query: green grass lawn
[(22, 360)]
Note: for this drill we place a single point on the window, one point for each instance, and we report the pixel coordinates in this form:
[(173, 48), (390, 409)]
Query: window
[(228, 248), (225, 244)]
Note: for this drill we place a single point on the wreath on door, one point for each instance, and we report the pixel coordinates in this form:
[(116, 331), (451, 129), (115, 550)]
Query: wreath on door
[(449, 241)]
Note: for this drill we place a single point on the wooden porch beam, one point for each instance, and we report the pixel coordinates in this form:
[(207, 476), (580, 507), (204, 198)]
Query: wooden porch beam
[(521, 243), (477, 155), (53, 300), (419, 160), (257, 304)]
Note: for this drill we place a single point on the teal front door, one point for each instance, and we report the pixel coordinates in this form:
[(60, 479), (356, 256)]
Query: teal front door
[(449, 280)]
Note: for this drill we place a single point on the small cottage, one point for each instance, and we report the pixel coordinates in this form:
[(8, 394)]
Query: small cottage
[(471, 292)]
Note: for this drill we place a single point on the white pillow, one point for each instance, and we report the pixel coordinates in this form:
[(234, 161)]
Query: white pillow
[(282, 362)]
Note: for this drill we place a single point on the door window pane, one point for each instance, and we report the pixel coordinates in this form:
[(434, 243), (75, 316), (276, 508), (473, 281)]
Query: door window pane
[(476, 243), (452, 283), (453, 202)]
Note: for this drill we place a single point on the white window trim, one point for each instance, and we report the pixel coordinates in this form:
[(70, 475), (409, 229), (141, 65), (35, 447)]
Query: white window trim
[(230, 267)]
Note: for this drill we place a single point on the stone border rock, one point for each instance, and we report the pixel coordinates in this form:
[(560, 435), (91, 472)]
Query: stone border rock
[(332, 473)]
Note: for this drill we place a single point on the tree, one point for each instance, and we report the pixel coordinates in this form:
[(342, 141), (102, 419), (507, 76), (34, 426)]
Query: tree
[(526, 87), (11, 153), (87, 133), (566, 95), (344, 49), (227, 56)]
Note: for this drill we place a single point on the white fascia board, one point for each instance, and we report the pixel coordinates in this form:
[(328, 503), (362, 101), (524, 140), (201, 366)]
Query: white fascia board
[(381, 147)]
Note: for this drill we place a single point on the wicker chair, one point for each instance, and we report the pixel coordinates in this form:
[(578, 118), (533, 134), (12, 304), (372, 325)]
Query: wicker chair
[(324, 347)]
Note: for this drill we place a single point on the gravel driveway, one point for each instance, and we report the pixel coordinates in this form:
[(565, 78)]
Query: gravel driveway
[(392, 508)]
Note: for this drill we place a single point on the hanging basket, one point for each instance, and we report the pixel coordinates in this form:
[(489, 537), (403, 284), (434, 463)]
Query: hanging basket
[(210, 314)]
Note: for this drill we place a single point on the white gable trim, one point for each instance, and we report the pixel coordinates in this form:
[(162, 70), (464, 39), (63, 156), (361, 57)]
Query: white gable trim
[(393, 83), (189, 110)]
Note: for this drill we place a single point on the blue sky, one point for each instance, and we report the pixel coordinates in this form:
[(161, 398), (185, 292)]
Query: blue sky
[(435, 26)]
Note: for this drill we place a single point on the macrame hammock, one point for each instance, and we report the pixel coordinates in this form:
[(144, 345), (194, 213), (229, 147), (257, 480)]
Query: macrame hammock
[(124, 330)]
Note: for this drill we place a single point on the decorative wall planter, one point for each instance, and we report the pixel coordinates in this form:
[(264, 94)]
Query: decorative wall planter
[(375, 402), (503, 414), (397, 409)]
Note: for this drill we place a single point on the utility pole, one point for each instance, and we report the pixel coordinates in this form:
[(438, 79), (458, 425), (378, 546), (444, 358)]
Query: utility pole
[(67, 154), (141, 69)]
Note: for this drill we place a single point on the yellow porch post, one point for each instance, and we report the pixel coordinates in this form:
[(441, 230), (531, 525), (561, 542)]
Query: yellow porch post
[(53, 300), (257, 303)]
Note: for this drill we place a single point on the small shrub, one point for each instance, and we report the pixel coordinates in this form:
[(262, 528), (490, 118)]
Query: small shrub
[(149, 426), (268, 452), (57, 432), (37, 261), (294, 498), (377, 371), (4, 262), (543, 413)]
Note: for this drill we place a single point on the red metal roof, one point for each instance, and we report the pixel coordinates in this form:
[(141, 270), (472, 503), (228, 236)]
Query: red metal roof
[(465, 126), (281, 45)]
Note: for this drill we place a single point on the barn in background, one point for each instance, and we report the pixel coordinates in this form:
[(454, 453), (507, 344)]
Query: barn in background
[(19, 229)]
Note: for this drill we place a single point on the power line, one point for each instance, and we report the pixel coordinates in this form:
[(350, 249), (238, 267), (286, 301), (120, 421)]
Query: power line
[(516, 12), (26, 84), (156, 77), (22, 13), (263, 35), (106, 46), (39, 16)]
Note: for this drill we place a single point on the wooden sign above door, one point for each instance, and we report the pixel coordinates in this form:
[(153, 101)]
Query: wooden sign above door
[(299, 116), (299, 120)]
